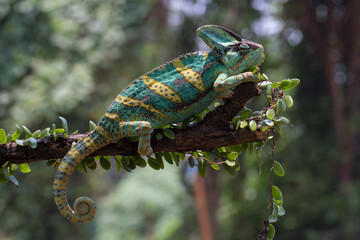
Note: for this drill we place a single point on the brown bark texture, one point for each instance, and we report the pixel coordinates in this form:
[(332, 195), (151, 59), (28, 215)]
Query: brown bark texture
[(212, 132)]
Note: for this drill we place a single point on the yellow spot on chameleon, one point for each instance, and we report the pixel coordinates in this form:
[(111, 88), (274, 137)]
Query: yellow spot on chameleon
[(103, 133), (161, 89), (75, 153), (112, 116), (129, 102), (190, 76), (194, 79), (64, 167)]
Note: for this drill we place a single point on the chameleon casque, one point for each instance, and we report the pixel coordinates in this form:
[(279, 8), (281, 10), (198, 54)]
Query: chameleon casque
[(168, 94)]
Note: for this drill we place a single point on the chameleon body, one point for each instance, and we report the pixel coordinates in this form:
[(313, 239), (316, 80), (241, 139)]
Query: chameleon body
[(170, 93)]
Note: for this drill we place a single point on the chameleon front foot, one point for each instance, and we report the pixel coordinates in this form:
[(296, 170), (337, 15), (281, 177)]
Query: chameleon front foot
[(145, 151)]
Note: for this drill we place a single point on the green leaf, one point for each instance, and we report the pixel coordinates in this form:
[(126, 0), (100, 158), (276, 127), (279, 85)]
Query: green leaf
[(59, 130), (252, 125), (191, 161), (278, 169), (44, 133), (27, 133), (269, 122), (12, 168), (159, 136), (55, 135), (19, 142), (36, 134), (243, 124), (16, 134), (230, 163), (64, 124), (176, 158), (274, 215), (24, 168), (277, 195), (265, 77), (202, 169), (285, 84), (81, 167), (125, 162), (232, 156), (139, 161), (236, 119), (3, 177), (281, 105), (3, 138), (282, 120), (130, 163), (14, 181), (168, 133), (256, 113), (90, 163), (271, 232), (275, 85), (264, 128), (288, 101), (279, 130), (118, 163), (294, 82), (153, 163), (168, 158), (235, 148), (32, 142), (8, 138), (268, 90), (229, 169), (92, 126), (270, 114), (215, 166), (159, 159), (105, 163), (281, 210), (245, 114)]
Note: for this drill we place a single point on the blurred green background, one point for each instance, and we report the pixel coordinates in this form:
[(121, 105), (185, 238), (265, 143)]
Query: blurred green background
[(71, 58)]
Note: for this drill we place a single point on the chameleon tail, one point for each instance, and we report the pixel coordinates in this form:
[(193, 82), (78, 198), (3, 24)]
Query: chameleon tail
[(84, 207)]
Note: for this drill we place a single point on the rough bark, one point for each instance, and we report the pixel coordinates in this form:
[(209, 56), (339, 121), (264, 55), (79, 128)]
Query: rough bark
[(213, 132)]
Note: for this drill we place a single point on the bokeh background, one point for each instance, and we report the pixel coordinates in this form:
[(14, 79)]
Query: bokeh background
[(71, 58)]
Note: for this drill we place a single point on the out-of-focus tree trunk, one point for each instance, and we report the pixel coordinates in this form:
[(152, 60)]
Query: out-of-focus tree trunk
[(337, 43), (202, 209)]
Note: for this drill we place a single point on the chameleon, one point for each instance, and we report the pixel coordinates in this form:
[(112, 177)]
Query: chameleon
[(170, 93)]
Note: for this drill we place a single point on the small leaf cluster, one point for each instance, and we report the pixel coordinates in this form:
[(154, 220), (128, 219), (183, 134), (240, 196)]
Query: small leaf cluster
[(268, 118), (7, 171), (129, 163)]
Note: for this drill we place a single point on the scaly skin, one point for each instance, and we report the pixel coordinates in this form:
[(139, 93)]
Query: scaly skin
[(168, 94)]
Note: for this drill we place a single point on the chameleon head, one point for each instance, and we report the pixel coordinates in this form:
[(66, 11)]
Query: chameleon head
[(234, 52), (243, 56)]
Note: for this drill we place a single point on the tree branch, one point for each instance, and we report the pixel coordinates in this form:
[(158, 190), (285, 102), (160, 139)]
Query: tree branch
[(213, 132)]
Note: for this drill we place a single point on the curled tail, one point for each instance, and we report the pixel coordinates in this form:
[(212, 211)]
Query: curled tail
[(84, 207)]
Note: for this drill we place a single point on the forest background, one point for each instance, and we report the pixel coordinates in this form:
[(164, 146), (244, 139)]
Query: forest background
[(71, 58)]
